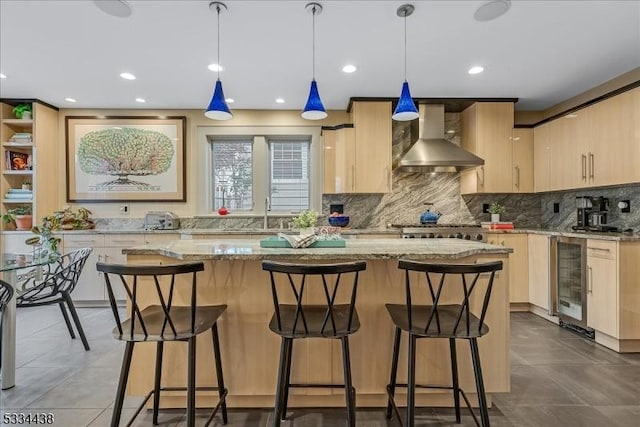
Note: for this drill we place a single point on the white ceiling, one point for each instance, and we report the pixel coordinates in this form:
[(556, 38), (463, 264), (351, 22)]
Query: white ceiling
[(542, 52)]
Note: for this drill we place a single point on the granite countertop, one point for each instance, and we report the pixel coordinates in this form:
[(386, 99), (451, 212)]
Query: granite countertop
[(624, 237), (433, 249)]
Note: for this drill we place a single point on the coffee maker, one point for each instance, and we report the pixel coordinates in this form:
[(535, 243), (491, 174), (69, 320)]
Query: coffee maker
[(592, 214)]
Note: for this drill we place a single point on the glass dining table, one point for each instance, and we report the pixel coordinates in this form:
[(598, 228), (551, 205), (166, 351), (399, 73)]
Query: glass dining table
[(16, 269)]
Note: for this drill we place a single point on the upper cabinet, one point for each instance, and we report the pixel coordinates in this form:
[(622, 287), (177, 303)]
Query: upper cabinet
[(26, 172), (358, 159), (596, 146), (487, 129), (522, 155)]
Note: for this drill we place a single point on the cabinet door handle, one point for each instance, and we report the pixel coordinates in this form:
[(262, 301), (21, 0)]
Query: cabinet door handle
[(584, 167), (590, 281), (388, 175), (124, 241), (481, 180), (599, 249), (517, 168), (83, 242), (591, 166)]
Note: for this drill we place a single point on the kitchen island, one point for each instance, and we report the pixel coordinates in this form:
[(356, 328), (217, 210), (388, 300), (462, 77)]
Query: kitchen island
[(250, 351)]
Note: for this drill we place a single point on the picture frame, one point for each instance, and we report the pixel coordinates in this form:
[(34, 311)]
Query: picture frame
[(125, 159)]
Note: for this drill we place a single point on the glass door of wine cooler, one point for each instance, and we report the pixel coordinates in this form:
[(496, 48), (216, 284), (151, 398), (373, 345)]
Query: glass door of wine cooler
[(570, 272)]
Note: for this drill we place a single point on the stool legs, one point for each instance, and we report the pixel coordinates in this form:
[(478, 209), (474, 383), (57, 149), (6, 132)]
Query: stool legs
[(482, 399), (411, 381), (122, 384), (281, 380), (157, 381), (348, 386), (287, 379), (454, 378), (191, 384), (218, 361), (391, 388)]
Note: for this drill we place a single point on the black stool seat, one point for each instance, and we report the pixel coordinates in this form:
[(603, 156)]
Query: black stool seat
[(436, 320), (447, 316), (334, 318), (315, 317), (157, 328), (164, 322)]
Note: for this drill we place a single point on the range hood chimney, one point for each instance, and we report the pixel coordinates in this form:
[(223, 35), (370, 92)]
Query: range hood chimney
[(431, 152)]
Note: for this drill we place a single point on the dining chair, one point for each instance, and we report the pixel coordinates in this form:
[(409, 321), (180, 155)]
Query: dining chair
[(55, 287)]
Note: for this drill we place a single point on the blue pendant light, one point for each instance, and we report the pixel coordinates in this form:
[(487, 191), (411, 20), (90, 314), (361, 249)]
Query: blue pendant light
[(314, 110), (406, 108), (218, 109)]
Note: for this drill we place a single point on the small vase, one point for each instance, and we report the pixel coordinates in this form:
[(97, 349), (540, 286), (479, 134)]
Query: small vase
[(495, 217), (308, 230), (26, 115)]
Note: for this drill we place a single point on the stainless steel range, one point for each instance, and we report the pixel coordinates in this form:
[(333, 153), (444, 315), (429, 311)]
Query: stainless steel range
[(442, 231)]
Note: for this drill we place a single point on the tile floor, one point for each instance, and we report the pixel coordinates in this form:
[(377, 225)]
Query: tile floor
[(558, 379)]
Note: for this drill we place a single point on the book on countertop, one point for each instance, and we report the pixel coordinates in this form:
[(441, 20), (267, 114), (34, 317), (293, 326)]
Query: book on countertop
[(501, 225)]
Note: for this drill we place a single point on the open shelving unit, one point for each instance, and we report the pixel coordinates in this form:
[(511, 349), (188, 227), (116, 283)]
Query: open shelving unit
[(19, 162)]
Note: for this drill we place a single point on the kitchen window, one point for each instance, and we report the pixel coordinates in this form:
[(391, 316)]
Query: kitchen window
[(246, 170)]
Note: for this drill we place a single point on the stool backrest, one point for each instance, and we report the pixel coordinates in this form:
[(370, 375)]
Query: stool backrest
[(334, 278), (161, 276), (6, 292), (436, 280), (62, 276)]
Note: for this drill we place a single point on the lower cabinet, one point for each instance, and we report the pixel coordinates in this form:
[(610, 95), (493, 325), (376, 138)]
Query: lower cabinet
[(518, 264), (539, 267), (602, 286), (90, 286)]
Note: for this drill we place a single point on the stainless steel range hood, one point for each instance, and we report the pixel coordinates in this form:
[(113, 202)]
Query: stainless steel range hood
[(431, 152)]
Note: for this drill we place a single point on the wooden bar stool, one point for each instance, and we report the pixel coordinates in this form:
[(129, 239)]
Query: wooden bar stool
[(436, 320), (162, 323), (335, 318)]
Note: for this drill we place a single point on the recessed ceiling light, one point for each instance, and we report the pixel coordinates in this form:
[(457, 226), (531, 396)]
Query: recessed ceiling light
[(280, 100), (127, 76), (2, 76), (141, 100), (230, 100), (349, 68), (476, 70), (215, 67), (70, 100), (118, 8), (491, 10)]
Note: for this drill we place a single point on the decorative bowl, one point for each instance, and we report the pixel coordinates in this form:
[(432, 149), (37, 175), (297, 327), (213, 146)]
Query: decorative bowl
[(339, 220)]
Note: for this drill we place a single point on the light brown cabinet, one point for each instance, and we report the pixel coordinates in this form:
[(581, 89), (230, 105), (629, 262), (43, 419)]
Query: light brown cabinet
[(518, 264), (602, 286), (596, 146), (522, 160), (541, 158), (539, 267), (487, 129), (24, 159), (358, 159)]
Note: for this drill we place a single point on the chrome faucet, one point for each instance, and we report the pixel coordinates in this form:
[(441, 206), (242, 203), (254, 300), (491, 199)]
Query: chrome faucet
[(267, 208)]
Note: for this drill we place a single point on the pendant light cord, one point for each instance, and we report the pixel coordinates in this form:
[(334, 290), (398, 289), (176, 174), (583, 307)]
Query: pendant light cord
[(218, 10), (314, 43), (405, 46)]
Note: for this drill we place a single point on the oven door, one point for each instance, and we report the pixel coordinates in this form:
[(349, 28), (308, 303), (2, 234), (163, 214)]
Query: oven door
[(568, 280)]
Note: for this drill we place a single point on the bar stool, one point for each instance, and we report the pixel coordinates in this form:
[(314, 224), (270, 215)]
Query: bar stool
[(436, 320), (335, 318), (162, 323)]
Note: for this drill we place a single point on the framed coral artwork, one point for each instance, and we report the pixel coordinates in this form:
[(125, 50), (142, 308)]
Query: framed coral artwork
[(126, 159)]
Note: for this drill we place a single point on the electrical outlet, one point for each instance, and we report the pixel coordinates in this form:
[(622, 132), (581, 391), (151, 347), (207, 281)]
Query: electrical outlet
[(485, 208), (124, 209), (556, 207)]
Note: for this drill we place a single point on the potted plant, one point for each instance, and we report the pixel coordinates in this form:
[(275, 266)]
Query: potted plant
[(306, 221), (26, 185), (45, 239), (22, 111), (496, 209), (20, 216)]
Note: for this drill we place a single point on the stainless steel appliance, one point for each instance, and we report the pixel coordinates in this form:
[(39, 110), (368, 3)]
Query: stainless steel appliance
[(569, 281), (161, 220), (442, 231)]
